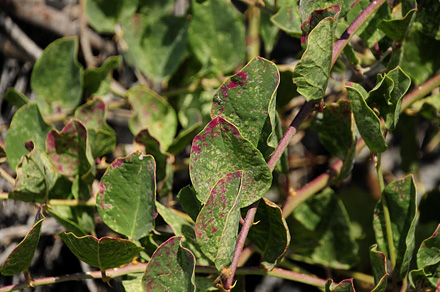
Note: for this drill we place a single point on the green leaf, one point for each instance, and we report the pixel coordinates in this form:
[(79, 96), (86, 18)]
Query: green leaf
[(15, 97), (343, 286), (271, 234), (126, 196), (69, 150), (152, 112), (133, 285), (396, 29), (101, 137), (419, 56), (187, 198), (323, 232), (316, 17), (220, 149), (171, 268), (103, 15), (101, 253), (428, 262), (428, 107), (152, 147), (288, 20), (36, 176), (181, 227), (400, 196), (312, 72), (268, 31), (97, 80), (218, 221), (427, 20), (64, 216), (367, 121), (57, 76), (156, 46), (369, 31), (387, 95), (186, 135), (337, 134), (306, 7), (379, 266), (216, 34), (248, 101), (26, 125), (21, 257)]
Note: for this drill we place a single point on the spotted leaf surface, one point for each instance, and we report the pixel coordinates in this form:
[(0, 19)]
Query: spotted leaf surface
[(271, 234), (102, 137), (171, 268), (152, 112), (217, 224), (126, 196), (69, 150), (248, 100), (26, 125), (220, 149), (21, 257), (181, 227), (401, 200), (312, 72), (103, 253)]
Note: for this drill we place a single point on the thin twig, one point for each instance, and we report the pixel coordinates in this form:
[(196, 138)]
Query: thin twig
[(7, 176), (84, 38)]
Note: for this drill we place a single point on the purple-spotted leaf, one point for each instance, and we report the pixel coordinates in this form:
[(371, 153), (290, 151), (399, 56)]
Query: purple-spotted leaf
[(312, 72), (217, 224), (323, 233), (127, 193), (104, 253), (288, 20), (248, 100), (57, 77), (387, 95), (401, 199), (367, 121), (315, 17), (152, 112), (337, 133), (428, 263), (26, 125), (220, 149), (152, 147), (343, 286), (102, 137), (216, 34), (171, 268), (306, 7), (21, 257), (181, 227), (36, 176), (69, 150), (271, 234), (378, 262)]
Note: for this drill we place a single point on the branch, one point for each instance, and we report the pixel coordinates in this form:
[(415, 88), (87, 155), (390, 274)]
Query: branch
[(84, 37), (140, 268)]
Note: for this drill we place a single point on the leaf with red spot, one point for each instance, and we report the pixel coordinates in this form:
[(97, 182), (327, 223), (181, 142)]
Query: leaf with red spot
[(102, 137), (69, 150), (21, 257), (104, 253), (248, 101), (220, 149), (126, 196), (401, 198), (36, 176), (171, 268), (217, 224), (152, 112)]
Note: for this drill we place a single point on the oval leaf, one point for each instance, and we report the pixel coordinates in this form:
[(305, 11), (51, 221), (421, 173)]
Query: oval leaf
[(217, 224), (220, 149), (57, 76), (21, 257), (126, 196), (103, 15), (171, 268), (104, 253)]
